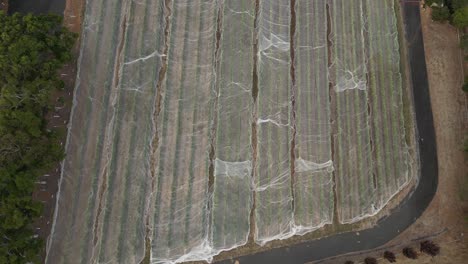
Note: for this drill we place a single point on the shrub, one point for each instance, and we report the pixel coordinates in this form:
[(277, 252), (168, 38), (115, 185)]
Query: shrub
[(430, 248), (465, 145), (464, 43), (390, 256), (440, 14), (460, 17), (370, 260), (456, 4), (465, 85), (410, 253)]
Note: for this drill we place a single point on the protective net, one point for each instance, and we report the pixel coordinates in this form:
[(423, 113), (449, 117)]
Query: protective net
[(273, 212), (232, 190), (370, 147), (180, 226), (313, 185), (105, 178), (392, 159), (166, 121), (353, 152)]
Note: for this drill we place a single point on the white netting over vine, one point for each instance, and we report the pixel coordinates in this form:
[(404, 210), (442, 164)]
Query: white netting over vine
[(101, 215), (273, 212), (392, 164), (232, 190), (166, 120), (180, 225), (353, 152), (370, 147), (313, 186)]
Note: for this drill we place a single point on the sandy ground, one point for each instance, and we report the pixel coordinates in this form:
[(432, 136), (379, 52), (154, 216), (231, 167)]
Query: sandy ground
[(446, 219), (74, 11)]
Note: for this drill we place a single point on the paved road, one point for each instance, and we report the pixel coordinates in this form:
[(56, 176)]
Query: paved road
[(412, 207), (37, 6)]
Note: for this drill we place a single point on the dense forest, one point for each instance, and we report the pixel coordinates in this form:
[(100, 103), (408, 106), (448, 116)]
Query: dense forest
[(32, 49)]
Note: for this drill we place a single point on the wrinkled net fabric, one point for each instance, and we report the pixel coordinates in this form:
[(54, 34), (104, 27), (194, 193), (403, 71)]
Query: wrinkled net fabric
[(393, 161), (372, 158), (101, 209), (273, 212), (313, 166), (180, 225), (144, 139), (232, 190), (353, 152)]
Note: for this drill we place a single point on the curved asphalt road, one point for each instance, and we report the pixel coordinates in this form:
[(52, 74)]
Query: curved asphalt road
[(413, 206), (402, 216)]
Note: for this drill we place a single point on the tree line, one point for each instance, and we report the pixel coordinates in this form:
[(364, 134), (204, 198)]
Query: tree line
[(32, 49)]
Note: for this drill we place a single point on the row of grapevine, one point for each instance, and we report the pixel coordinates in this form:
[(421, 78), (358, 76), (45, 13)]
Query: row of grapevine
[(180, 226), (83, 173), (313, 193), (385, 86), (273, 212), (352, 148), (117, 186), (370, 148), (123, 221), (232, 192)]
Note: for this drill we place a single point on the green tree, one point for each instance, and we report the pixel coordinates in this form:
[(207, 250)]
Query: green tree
[(440, 14), (465, 85), (456, 4), (464, 43), (32, 49), (460, 17)]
